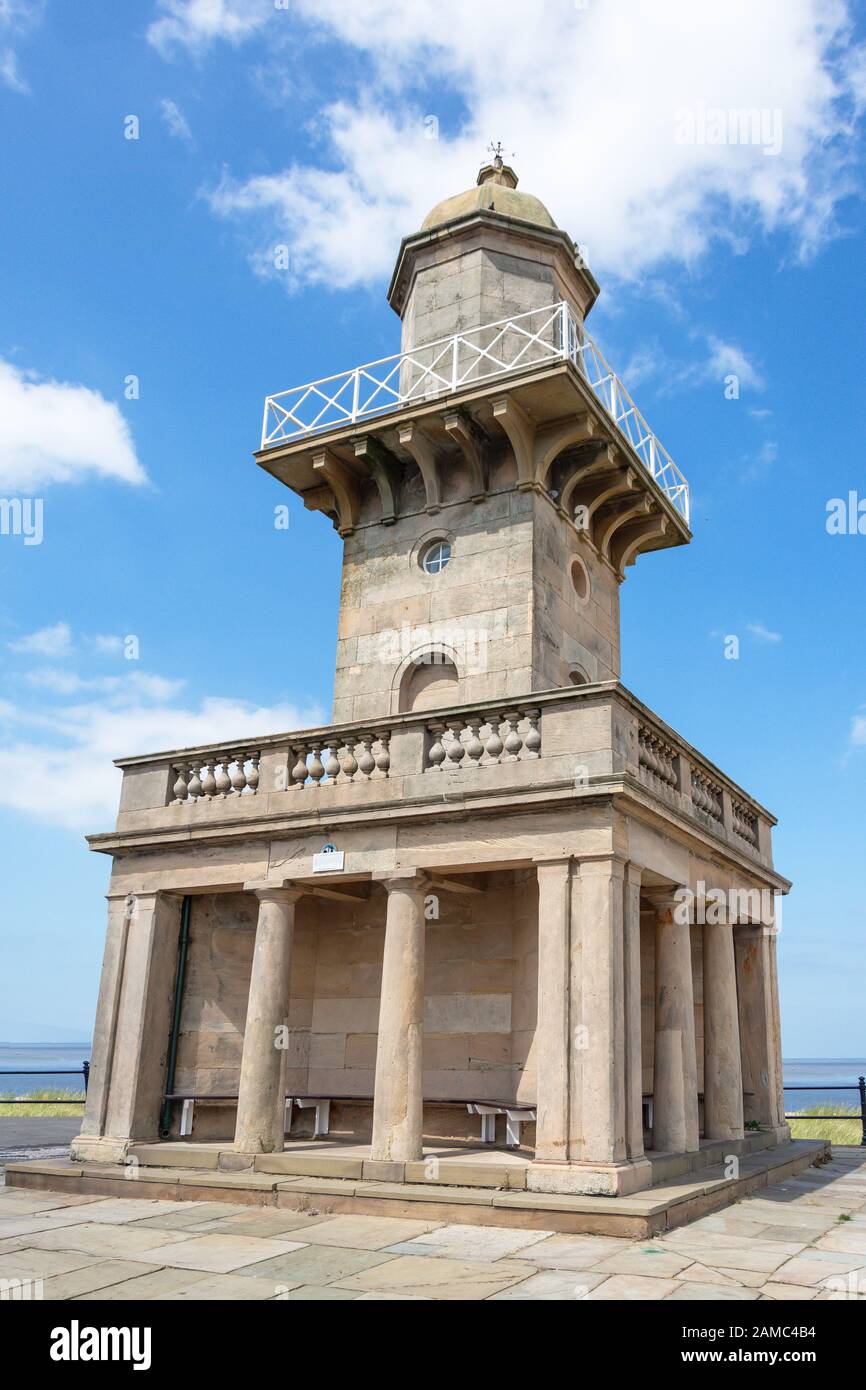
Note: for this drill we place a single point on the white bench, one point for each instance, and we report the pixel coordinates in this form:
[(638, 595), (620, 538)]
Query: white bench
[(515, 1116)]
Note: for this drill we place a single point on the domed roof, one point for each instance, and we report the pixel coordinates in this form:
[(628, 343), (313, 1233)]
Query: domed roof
[(496, 192)]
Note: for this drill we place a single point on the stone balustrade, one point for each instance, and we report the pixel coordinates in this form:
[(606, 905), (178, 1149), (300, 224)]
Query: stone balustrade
[(232, 772), (706, 794), (597, 738), (483, 740), (657, 759), (355, 757), (745, 822)]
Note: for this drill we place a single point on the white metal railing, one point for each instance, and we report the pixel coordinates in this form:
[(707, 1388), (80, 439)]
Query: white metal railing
[(465, 359)]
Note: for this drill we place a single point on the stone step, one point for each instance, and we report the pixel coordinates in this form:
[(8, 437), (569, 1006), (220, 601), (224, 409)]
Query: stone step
[(645, 1213)]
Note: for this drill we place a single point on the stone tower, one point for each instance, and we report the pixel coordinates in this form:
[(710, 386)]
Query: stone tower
[(489, 519)]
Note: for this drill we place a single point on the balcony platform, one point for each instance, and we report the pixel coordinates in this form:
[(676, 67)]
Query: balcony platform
[(472, 1186)]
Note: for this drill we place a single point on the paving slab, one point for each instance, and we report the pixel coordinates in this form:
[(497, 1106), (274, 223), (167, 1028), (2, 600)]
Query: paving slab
[(463, 1280), (105, 1240), (315, 1264), (217, 1254), (571, 1252), (717, 1293), (366, 1232), (101, 1275), (264, 1222), (470, 1242), (550, 1285), (153, 1285), (648, 1259), (630, 1287)]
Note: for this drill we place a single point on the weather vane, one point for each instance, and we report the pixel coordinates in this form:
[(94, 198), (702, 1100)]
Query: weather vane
[(496, 150)]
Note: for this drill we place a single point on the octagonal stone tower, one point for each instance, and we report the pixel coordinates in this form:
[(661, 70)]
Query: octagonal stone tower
[(490, 508)]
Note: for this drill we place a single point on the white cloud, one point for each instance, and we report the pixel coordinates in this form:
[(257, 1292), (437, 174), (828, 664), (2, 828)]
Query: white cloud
[(107, 644), (48, 641), (589, 98), (762, 633), (57, 432), (17, 18), (58, 759), (858, 731), (195, 24), (176, 122)]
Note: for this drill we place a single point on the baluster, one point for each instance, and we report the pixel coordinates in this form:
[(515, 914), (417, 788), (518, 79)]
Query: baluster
[(223, 780), (455, 749), (181, 789), (366, 762), (195, 781), (253, 774), (208, 782), (317, 767), (349, 762), (474, 746), (299, 771), (493, 744), (532, 741), (332, 766), (513, 741), (383, 757), (436, 754), (239, 776)]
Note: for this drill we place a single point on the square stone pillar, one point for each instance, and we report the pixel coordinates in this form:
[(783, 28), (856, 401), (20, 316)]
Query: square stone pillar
[(675, 1070), (760, 1034), (133, 1021), (260, 1125), (398, 1097), (632, 1013), (588, 1055)]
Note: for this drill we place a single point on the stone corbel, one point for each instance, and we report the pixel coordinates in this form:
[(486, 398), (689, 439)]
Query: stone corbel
[(419, 446), (553, 439), (609, 525), (521, 436), (465, 432), (603, 460), (344, 485), (598, 490), (385, 472), (633, 538), (322, 499)]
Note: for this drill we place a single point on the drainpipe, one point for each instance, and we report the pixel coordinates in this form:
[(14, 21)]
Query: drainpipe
[(183, 945)]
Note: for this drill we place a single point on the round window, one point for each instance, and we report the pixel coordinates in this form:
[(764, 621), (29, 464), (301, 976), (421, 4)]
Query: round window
[(580, 580), (436, 557)]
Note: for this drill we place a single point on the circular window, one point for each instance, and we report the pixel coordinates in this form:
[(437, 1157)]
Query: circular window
[(580, 580), (436, 556)]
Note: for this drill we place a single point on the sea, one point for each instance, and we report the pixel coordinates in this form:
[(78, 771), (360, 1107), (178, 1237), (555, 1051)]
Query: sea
[(815, 1073)]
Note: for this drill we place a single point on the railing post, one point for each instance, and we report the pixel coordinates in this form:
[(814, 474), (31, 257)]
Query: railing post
[(454, 350), (85, 1067), (862, 1081), (563, 328), (356, 394)]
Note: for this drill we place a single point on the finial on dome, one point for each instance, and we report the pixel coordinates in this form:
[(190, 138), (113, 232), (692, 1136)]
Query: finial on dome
[(497, 172)]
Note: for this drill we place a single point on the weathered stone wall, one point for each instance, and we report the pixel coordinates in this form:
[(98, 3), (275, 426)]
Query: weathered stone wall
[(481, 985)]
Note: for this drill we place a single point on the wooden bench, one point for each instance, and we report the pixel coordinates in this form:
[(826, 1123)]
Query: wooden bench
[(516, 1114)]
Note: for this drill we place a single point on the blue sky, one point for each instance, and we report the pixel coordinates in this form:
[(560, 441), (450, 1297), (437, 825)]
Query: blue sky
[(308, 125)]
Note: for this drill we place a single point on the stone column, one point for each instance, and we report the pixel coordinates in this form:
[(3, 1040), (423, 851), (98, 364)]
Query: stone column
[(130, 1041), (760, 1041), (398, 1098), (598, 1016), (632, 1013), (260, 1126), (723, 1079), (552, 1033), (675, 1071)]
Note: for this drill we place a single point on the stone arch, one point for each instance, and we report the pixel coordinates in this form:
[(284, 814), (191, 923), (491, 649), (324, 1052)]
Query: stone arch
[(428, 678)]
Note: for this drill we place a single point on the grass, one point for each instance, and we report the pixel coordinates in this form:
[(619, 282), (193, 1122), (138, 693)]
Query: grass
[(75, 1107), (837, 1131)]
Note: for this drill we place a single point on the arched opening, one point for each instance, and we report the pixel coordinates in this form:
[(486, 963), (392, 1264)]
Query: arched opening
[(430, 682), (577, 676)]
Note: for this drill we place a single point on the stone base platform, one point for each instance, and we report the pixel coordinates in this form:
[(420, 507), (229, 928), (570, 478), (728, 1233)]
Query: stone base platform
[(470, 1186)]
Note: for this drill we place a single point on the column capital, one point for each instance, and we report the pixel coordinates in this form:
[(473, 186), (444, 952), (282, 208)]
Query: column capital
[(668, 901), (275, 890), (403, 880)]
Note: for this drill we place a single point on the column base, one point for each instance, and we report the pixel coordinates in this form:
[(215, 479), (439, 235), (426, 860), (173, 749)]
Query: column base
[(99, 1148), (590, 1179)]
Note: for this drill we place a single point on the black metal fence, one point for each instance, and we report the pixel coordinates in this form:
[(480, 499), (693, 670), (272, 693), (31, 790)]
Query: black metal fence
[(860, 1088), (83, 1071)]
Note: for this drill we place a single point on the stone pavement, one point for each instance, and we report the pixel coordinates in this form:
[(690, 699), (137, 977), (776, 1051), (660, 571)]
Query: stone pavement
[(804, 1238)]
